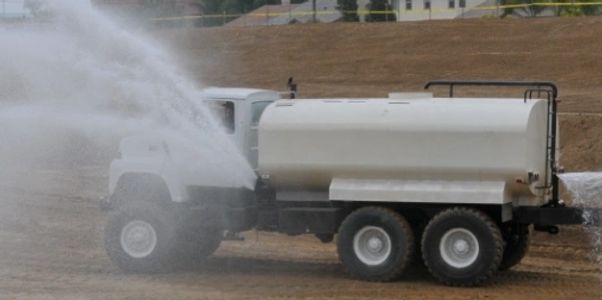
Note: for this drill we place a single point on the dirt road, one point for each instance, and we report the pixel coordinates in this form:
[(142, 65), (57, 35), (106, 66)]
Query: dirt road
[(51, 248)]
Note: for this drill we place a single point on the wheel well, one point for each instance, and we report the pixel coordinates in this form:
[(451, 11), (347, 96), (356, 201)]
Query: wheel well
[(140, 187)]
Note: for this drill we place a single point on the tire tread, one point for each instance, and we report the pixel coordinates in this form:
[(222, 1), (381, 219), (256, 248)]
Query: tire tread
[(492, 227), (409, 246)]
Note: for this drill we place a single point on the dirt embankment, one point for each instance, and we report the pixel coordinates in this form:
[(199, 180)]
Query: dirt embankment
[(358, 60)]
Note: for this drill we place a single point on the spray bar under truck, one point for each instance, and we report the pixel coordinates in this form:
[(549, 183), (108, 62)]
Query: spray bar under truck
[(460, 181)]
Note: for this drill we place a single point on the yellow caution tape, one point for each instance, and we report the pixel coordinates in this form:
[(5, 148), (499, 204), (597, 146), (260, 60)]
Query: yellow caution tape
[(294, 13)]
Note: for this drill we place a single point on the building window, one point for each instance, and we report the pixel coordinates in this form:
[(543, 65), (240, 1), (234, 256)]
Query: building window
[(427, 4), (452, 4), (462, 3), (408, 4)]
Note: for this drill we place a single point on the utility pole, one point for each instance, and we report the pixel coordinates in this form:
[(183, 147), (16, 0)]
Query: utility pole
[(315, 11)]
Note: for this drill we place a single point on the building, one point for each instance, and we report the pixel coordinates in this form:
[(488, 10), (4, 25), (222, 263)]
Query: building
[(416, 10), (287, 13), (404, 10)]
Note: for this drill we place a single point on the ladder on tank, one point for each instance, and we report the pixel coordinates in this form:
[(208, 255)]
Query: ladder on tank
[(550, 90)]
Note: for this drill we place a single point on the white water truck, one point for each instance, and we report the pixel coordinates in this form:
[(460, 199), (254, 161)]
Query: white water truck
[(457, 183)]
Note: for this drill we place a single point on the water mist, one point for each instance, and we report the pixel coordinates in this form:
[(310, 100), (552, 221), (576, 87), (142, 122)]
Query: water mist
[(72, 87)]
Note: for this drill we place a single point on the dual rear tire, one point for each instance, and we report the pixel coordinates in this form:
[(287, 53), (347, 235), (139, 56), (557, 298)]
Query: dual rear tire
[(460, 246)]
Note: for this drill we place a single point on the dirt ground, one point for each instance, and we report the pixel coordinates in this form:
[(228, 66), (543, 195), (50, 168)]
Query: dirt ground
[(51, 248), (51, 227)]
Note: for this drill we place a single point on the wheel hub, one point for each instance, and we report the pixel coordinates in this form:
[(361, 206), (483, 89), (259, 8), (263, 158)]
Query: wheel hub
[(375, 245), (138, 239), (459, 248), (372, 245)]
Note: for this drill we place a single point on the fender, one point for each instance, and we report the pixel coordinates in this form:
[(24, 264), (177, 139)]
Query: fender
[(146, 155), (171, 159), (121, 168)]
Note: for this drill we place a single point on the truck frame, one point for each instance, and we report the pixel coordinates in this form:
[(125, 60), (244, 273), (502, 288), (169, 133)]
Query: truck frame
[(156, 220)]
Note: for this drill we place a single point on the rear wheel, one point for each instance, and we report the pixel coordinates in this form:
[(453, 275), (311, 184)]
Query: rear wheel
[(375, 244), (462, 247), (517, 246)]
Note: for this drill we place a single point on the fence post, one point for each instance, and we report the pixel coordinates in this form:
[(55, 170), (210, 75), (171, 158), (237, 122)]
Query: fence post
[(497, 8), (315, 11)]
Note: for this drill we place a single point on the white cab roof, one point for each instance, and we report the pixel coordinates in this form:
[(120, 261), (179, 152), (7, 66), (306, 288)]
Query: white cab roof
[(233, 93)]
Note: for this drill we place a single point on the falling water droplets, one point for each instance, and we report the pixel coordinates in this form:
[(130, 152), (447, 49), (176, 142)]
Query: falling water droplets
[(586, 192), (81, 79)]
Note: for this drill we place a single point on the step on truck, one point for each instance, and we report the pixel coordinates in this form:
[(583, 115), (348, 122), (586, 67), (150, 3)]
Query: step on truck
[(457, 183)]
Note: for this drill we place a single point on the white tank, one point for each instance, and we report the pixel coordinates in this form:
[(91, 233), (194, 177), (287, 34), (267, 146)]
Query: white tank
[(308, 144)]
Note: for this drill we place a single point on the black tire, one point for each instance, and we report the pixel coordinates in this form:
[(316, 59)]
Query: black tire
[(160, 257), (195, 246), (517, 246), (378, 220), (465, 269)]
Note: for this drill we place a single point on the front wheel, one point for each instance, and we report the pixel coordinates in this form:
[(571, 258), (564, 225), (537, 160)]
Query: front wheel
[(140, 239), (462, 247), (194, 246), (375, 244)]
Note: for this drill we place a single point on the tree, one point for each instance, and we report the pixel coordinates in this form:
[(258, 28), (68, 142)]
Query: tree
[(580, 10), (380, 11), (529, 8), (349, 10), (534, 8)]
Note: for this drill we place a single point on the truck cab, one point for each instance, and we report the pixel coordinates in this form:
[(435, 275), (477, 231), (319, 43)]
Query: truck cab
[(238, 110)]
